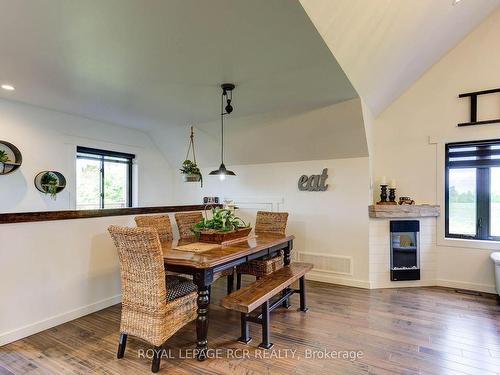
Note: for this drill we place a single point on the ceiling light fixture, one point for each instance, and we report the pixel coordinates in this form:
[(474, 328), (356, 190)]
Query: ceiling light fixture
[(227, 93), (8, 87), (455, 2)]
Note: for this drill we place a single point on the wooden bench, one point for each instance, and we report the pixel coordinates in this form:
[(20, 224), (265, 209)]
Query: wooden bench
[(260, 292)]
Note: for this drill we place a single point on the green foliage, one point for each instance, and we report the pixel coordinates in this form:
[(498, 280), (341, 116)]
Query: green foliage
[(222, 220), (469, 196), (89, 185), (189, 167), (4, 158), (50, 183), (464, 197)]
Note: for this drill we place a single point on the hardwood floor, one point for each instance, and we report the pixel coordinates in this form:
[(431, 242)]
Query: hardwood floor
[(398, 331)]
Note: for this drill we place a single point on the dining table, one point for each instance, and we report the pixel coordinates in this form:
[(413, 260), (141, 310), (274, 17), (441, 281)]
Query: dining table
[(203, 265)]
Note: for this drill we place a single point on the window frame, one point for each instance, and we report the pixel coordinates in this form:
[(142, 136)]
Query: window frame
[(101, 155), (483, 187)]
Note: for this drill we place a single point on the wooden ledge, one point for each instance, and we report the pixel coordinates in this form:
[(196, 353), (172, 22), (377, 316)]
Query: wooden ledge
[(402, 211), (25, 217)]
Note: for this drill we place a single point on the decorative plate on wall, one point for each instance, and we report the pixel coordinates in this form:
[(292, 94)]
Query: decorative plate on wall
[(10, 158), (50, 182)]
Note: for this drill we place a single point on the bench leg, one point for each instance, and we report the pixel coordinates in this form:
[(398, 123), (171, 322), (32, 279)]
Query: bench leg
[(122, 343), (286, 302), (230, 283), (265, 344), (245, 333), (302, 288), (238, 281)]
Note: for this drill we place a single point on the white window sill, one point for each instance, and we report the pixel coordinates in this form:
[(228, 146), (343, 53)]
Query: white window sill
[(465, 243)]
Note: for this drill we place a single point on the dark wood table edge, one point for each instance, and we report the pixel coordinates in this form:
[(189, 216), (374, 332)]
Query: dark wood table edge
[(26, 217)]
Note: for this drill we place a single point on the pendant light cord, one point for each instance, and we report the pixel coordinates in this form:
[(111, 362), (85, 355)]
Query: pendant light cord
[(222, 127)]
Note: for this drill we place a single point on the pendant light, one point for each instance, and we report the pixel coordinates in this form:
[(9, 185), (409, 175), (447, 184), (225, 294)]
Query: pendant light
[(227, 93)]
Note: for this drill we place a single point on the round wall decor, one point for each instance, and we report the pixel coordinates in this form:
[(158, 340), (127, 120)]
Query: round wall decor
[(10, 158), (50, 182)]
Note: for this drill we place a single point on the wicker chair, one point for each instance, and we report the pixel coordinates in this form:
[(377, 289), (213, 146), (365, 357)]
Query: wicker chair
[(154, 306), (269, 222), (160, 222), (185, 222)]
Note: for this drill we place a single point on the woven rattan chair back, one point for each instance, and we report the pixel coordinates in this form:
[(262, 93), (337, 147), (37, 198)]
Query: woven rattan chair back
[(272, 222), (185, 221), (159, 222), (141, 268)]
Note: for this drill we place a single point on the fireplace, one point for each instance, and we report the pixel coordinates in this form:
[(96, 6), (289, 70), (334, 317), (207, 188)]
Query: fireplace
[(405, 254)]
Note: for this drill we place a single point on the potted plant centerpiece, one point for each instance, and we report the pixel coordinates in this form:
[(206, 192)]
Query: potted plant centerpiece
[(223, 226)]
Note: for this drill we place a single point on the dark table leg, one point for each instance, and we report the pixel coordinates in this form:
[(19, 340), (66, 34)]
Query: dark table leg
[(203, 279), (287, 260)]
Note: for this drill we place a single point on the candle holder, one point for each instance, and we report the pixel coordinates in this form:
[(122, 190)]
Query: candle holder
[(383, 195), (392, 195)]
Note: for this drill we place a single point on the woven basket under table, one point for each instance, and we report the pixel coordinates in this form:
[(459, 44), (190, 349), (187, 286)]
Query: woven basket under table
[(262, 267)]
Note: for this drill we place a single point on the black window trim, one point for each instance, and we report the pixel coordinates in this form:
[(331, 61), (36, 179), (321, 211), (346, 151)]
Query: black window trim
[(100, 156), (483, 193)]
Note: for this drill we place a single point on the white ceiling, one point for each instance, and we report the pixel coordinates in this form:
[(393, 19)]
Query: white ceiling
[(385, 45), (154, 64)]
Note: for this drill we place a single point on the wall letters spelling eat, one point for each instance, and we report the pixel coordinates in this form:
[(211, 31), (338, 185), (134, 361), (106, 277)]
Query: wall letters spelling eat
[(315, 182)]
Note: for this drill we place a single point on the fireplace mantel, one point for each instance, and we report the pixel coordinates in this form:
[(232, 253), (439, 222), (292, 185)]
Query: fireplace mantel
[(403, 211)]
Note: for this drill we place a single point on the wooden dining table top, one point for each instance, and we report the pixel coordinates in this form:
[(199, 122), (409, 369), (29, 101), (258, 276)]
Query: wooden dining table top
[(220, 253)]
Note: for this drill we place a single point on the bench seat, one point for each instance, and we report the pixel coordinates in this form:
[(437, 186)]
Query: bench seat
[(259, 293), (247, 299)]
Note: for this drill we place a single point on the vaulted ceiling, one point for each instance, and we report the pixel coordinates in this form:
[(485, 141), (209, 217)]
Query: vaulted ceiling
[(385, 45), (156, 64)]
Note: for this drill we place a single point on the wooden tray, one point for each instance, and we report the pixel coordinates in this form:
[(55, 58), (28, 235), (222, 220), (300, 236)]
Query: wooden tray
[(220, 237)]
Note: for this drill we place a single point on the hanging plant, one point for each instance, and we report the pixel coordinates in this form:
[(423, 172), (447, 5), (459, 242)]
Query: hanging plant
[(50, 184), (189, 169)]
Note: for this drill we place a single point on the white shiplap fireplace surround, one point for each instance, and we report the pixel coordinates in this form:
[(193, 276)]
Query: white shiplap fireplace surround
[(379, 244)]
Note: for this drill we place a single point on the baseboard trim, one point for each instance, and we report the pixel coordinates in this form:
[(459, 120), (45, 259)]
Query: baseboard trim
[(331, 278), (401, 284), (467, 286), (31, 329)]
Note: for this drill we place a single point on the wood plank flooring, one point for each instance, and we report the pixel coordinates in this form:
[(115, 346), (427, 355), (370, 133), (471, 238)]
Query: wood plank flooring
[(398, 331)]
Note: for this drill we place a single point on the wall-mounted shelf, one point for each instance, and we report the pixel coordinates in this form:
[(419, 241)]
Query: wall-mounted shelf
[(404, 210), (44, 187), (14, 155)]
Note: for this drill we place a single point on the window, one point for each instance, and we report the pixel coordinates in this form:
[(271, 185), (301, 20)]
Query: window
[(473, 190), (103, 179)]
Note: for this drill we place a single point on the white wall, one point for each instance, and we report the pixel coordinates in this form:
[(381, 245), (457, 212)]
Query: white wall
[(48, 140), (52, 272), (55, 271), (409, 140), (333, 223)]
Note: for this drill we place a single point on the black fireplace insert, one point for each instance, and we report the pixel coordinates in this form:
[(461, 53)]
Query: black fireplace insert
[(405, 254)]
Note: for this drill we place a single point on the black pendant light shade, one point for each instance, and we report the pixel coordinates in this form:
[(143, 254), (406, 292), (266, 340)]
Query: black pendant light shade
[(227, 93), (222, 171)]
